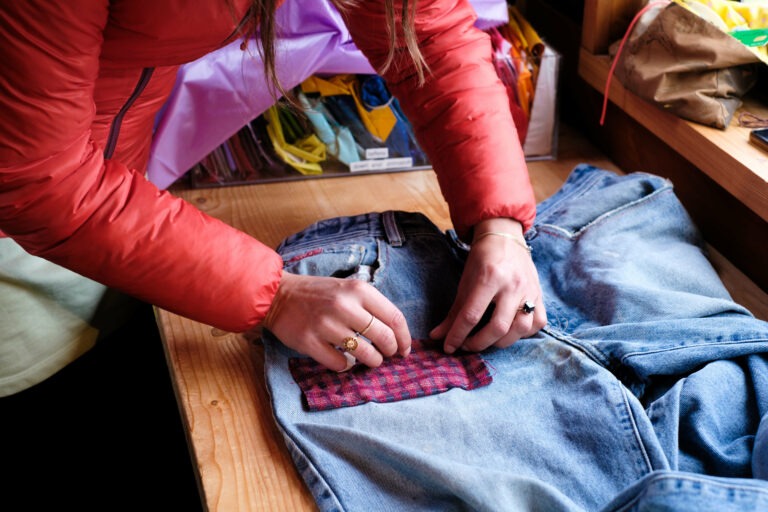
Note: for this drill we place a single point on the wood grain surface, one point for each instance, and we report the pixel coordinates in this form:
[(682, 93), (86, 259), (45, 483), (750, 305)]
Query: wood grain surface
[(241, 461)]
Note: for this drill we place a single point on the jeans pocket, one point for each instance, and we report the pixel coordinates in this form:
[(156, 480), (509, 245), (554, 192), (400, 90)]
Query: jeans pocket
[(589, 201)]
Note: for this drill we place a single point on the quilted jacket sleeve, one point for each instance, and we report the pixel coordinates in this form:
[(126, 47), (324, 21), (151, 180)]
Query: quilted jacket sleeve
[(461, 115), (60, 200)]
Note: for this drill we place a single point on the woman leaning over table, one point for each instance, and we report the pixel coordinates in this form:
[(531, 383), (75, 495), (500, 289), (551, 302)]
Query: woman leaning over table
[(80, 86)]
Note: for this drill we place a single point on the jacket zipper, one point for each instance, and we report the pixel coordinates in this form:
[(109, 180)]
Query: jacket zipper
[(114, 129)]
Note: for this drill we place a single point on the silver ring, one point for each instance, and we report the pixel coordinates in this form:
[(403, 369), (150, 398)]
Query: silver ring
[(527, 307)]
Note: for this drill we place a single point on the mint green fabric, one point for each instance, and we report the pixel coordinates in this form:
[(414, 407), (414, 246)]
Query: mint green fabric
[(49, 316), (337, 138)]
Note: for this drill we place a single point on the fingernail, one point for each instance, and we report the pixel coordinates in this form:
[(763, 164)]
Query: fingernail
[(351, 362), (449, 349)]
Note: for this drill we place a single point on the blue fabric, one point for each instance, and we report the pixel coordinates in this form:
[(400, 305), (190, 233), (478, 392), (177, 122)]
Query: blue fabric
[(344, 110), (648, 390), (402, 140)]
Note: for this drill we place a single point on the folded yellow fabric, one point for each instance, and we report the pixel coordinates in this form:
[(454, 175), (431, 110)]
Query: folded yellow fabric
[(379, 122), (304, 154)]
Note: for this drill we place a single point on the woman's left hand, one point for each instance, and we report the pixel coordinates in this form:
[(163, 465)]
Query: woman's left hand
[(499, 272)]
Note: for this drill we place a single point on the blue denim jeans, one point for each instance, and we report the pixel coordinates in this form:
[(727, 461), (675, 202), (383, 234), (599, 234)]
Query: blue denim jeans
[(648, 389)]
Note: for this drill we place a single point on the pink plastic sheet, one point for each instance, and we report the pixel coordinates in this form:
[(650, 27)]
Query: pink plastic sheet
[(218, 94)]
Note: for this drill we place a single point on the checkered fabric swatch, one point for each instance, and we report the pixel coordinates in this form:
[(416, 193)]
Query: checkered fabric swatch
[(426, 371)]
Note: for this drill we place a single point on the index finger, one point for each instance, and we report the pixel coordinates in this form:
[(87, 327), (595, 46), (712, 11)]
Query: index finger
[(390, 317), (475, 311)]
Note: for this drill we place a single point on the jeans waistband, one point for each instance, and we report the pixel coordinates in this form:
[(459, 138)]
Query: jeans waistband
[(394, 226)]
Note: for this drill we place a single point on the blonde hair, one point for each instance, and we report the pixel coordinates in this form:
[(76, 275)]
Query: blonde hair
[(265, 31)]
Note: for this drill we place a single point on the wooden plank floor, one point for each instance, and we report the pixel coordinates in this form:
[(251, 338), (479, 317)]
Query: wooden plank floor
[(238, 453)]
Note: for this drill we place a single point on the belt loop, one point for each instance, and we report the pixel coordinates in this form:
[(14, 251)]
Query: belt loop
[(395, 236)]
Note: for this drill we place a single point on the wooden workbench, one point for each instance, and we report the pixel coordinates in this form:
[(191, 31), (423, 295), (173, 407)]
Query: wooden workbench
[(240, 460)]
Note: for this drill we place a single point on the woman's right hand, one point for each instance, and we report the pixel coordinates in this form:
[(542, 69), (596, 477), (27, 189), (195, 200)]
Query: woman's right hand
[(314, 315)]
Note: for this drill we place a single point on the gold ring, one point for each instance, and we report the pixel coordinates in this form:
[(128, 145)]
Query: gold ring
[(370, 323), (349, 344)]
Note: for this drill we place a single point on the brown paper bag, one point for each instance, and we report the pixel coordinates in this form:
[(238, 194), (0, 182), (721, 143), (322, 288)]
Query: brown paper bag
[(686, 65)]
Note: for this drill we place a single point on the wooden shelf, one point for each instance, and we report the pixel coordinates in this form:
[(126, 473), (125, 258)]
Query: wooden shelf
[(726, 156)]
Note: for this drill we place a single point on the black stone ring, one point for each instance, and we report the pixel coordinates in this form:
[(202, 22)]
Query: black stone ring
[(527, 307)]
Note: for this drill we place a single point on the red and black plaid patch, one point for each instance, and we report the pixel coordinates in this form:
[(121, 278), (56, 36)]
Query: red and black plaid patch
[(426, 371)]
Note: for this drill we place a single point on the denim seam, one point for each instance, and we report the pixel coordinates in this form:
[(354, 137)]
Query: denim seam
[(358, 237), (635, 430), (590, 350), (714, 483), (664, 476), (291, 245), (573, 190), (561, 231), (609, 214), (382, 259), (317, 473), (622, 210), (288, 257), (295, 448), (555, 231), (630, 355)]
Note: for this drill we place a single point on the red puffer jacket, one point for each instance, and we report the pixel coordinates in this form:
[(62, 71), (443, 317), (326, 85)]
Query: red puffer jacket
[(81, 82)]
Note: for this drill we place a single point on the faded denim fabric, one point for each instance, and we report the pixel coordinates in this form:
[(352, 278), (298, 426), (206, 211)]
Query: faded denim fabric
[(648, 390)]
